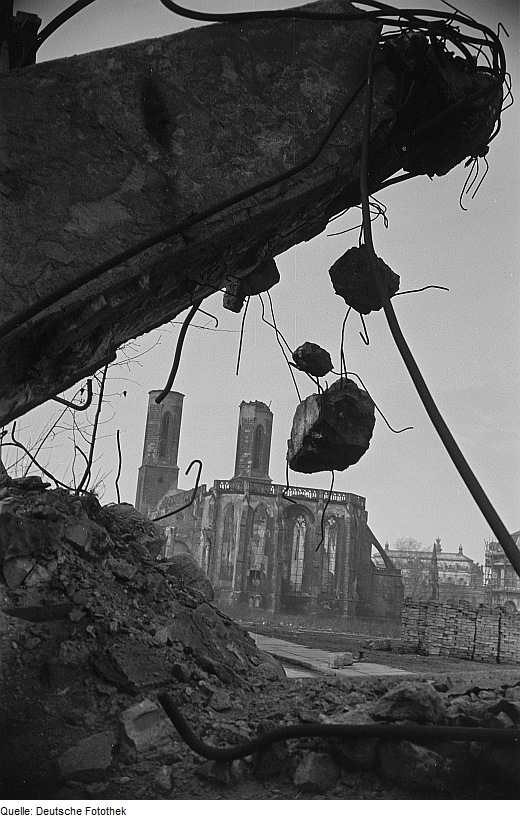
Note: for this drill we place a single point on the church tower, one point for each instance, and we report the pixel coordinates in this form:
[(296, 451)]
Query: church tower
[(159, 472), (254, 441)]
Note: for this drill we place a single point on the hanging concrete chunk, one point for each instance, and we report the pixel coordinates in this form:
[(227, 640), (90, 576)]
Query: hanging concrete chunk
[(353, 279), (312, 359), (262, 278), (331, 430)]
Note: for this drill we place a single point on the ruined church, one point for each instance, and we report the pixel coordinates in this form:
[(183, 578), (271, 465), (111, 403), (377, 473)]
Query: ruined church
[(265, 546)]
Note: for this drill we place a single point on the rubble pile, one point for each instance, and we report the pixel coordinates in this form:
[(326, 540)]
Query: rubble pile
[(428, 769), (87, 611), (93, 627)]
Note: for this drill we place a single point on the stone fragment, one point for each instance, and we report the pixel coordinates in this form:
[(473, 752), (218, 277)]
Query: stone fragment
[(260, 279), (216, 771), (37, 577), (355, 754), (146, 731), (271, 670), (417, 702), (21, 537), (96, 789), (316, 773), (272, 760), (9, 504), (379, 644), (147, 535), (187, 571), (507, 707), (341, 660), (79, 535), (353, 280), (221, 701), (466, 712), (163, 779), (411, 765), (30, 482), (239, 770), (443, 683), (131, 667), (89, 760), (181, 672), (312, 359), (73, 653), (331, 430), (123, 570), (16, 570)]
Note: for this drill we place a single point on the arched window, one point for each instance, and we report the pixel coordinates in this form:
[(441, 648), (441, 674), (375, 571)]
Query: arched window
[(329, 555), (258, 444), (258, 536), (228, 545), (297, 553), (206, 555), (163, 436)]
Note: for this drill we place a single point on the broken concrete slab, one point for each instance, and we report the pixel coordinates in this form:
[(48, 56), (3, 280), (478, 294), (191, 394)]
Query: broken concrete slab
[(145, 731), (89, 760)]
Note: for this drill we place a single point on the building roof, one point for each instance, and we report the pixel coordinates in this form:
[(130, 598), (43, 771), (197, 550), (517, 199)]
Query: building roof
[(426, 556)]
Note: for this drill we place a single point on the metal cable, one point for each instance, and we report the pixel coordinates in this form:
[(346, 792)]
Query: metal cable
[(488, 511), (396, 732)]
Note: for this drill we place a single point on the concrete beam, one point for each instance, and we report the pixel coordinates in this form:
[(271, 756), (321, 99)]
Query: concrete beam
[(102, 150)]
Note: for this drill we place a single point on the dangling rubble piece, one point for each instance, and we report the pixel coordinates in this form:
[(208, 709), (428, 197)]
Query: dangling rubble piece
[(433, 81), (331, 430), (312, 359), (260, 279), (352, 278)]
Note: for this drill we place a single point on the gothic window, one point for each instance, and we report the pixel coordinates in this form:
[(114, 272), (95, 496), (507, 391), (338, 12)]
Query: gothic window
[(258, 443), (206, 556), (329, 555), (258, 536), (228, 545), (163, 435), (297, 553)]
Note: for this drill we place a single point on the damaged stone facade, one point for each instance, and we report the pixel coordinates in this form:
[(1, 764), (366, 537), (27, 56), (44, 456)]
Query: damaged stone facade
[(457, 577), (259, 542), (502, 582)]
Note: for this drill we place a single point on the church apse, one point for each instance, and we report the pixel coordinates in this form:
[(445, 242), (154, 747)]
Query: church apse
[(267, 548)]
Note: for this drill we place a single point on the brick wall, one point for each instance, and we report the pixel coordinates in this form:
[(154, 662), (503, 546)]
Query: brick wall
[(480, 633)]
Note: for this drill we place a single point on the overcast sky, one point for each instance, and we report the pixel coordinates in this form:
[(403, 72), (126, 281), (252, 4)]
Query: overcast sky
[(466, 341)]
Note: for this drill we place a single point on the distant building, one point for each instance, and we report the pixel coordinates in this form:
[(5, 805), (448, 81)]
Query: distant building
[(264, 546), (502, 582), (438, 575)]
